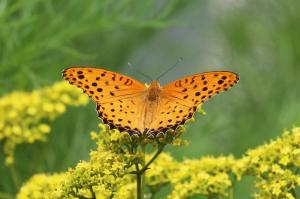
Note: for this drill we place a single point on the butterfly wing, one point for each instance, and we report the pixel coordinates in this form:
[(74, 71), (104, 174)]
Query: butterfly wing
[(180, 99), (123, 114), (102, 85), (171, 114), (118, 97)]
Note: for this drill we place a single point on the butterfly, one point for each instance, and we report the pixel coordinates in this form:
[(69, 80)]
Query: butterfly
[(128, 105)]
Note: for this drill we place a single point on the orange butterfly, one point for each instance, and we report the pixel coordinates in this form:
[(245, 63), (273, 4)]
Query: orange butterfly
[(128, 105)]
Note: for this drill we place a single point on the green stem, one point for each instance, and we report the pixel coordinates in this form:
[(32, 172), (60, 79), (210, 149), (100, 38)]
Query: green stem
[(143, 164), (231, 189), (92, 192), (6, 195), (14, 176), (139, 173), (138, 182), (160, 149), (230, 193), (294, 193)]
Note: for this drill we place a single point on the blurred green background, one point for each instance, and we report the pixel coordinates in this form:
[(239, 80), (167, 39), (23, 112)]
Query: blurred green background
[(259, 39)]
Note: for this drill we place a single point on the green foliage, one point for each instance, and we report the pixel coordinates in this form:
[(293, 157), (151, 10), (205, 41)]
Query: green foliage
[(38, 38), (259, 39)]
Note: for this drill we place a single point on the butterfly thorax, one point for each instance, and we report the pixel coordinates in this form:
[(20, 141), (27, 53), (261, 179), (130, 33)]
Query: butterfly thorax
[(153, 91)]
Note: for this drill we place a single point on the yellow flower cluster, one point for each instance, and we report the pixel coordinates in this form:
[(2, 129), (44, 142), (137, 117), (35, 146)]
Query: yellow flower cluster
[(106, 171), (104, 176), (208, 176), (160, 172), (40, 185), (274, 165), (108, 174), (25, 117), (109, 171)]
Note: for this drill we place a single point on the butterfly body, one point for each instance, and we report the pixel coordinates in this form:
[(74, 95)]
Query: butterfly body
[(154, 91), (128, 105), (150, 97)]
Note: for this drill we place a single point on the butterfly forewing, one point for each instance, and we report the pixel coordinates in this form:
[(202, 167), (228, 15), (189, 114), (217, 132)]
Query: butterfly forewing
[(118, 97), (102, 85), (196, 89)]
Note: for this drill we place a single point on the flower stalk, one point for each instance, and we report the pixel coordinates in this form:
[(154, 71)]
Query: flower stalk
[(140, 172)]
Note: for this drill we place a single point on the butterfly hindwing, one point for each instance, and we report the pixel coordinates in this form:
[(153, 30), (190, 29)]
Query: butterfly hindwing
[(122, 114), (171, 114)]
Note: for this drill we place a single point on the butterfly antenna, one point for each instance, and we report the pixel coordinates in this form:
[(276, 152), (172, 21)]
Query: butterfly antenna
[(138, 71), (179, 60)]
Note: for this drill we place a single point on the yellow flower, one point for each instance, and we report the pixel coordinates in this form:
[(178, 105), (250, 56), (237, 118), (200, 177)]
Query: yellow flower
[(44, 128), (60, 107), (9, 160), (263, 168), (284, 160), (276, 189), (22, 114)]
